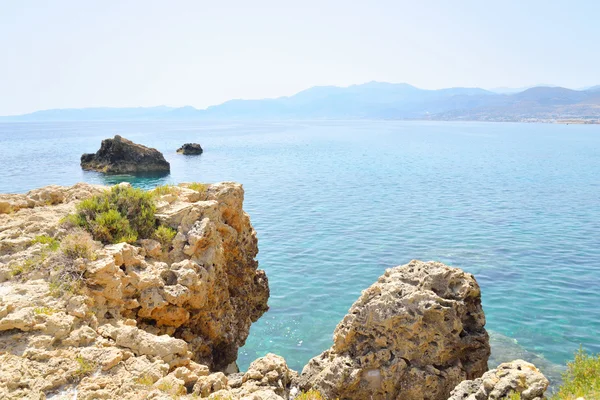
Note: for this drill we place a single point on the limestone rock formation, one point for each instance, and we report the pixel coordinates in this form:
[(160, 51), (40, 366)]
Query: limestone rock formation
[(46, 196), (267, 378), (143, 321), (414, 334), (119, 155), (191, 149), (162, 320), (513, 377)]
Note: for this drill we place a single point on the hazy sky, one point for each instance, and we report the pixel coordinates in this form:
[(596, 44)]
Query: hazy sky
[(82, 53)]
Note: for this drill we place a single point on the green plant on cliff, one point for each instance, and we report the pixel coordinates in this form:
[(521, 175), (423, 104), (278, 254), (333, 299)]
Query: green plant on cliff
[(582, 378), (122, 214), (44, 310), (514, 396), (310, 395), (46, 240), (145, 380), (164, 189), (164, 235), (84, 367), (24, 267), (28, 264), (197, 186), (65, 283), (172, 389)]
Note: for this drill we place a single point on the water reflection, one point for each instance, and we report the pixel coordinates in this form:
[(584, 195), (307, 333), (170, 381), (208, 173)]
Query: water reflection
[(143, 179)]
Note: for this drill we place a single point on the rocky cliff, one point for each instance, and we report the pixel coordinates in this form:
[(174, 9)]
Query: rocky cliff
[(161, 319), (124, 318)]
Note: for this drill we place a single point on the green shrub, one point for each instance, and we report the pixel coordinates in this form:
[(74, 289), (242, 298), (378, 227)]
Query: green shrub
[(165, 235), (310, 395), (122, 214), (47, 240), (514, 396), (582, 378), (78, 244), (72, 221), (112, 227)]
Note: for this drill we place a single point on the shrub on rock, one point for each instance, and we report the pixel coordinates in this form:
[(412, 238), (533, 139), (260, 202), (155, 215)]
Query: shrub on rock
[(582, 379), (122, 214)]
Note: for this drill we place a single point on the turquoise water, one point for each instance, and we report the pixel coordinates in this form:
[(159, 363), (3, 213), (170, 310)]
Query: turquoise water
[(335, 203)]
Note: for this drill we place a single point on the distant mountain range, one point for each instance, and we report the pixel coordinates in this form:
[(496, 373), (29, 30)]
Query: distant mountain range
[(373, 100)]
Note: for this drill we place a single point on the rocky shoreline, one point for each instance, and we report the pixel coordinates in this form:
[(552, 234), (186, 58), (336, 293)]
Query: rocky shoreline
[(164, 319)]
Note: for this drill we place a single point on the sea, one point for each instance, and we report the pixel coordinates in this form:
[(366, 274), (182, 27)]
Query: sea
[(335, 203)]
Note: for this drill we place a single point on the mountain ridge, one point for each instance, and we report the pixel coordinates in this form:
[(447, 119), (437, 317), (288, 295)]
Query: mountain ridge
[(371, 100)]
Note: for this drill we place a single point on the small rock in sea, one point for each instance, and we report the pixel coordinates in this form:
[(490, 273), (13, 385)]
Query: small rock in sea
[(190, 149), (119, 155)]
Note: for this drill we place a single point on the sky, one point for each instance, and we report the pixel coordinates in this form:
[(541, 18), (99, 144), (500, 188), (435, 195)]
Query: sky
[(126, 53)]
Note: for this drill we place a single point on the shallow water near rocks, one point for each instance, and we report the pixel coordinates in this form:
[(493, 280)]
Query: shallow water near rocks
[(335, 203)]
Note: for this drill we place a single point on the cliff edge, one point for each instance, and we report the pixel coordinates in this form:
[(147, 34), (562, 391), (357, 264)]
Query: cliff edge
[(116, 293), (121, 320)]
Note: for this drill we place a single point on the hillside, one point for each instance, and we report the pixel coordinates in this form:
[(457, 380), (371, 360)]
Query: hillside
[(373, 100)]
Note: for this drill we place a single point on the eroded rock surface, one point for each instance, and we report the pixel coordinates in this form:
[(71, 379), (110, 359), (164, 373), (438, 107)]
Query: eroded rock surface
[(509, 378), (414, 334), (119, 155), (162, 321), (147, 321)]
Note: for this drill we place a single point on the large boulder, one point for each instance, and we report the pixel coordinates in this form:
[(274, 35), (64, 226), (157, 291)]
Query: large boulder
[(190, 149), (119, 155), (508, 379), (414, 334)]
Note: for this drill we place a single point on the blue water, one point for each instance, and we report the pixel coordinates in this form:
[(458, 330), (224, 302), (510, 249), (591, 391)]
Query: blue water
[(335, 203)]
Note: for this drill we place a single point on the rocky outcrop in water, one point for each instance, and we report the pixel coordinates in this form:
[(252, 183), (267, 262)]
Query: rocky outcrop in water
[(121, 156), (190, 149), (414, 334), (516, 377)]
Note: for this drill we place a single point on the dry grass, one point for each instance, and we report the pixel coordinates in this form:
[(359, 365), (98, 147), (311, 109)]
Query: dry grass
[(78, 244), (28, 265), (165, 189), (197, 186)]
